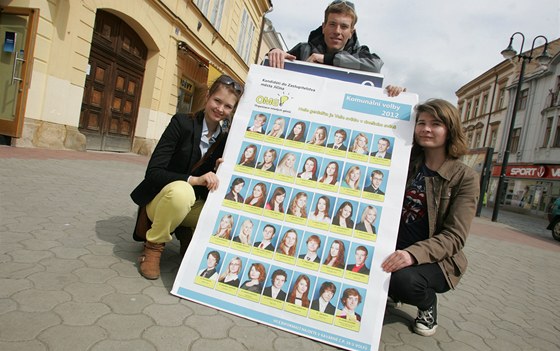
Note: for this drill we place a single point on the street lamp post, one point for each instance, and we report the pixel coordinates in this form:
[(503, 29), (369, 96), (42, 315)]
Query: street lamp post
[(509, 53)]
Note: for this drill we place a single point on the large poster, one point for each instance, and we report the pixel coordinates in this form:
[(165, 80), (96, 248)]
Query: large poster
[(307, 209)]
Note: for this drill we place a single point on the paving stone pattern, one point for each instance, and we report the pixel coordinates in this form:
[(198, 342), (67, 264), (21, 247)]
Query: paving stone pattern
[(69, 279)]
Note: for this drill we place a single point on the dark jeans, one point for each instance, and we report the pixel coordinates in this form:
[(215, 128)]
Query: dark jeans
[(418, 285)]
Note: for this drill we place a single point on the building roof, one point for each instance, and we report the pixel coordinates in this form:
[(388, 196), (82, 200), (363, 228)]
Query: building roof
[(511, 65)]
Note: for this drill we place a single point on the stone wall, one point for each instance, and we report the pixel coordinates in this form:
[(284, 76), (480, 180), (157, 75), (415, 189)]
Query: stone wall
[(42, 134)]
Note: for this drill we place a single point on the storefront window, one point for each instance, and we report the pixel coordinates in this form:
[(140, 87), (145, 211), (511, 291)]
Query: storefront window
[(184, 97)]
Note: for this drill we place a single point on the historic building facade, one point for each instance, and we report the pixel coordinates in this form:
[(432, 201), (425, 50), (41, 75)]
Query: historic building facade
[(109, 74), (486, 105)]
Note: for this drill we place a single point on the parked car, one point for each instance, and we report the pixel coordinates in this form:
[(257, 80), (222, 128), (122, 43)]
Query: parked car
[(554, 219)]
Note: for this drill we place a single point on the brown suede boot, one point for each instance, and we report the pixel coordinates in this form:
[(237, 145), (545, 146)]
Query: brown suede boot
[(149, 261)]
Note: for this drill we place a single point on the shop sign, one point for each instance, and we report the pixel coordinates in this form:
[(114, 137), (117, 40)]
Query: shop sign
[(187, 85), (529, 171), (554, 172)]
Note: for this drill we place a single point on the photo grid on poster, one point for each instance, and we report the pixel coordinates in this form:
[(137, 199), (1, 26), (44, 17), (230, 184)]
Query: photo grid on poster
[(297, 229)]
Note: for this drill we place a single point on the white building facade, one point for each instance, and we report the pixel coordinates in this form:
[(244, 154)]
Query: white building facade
[(486, 104)]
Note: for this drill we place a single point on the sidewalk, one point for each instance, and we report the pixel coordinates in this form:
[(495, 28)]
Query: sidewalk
[(68, 276), (532, 225)]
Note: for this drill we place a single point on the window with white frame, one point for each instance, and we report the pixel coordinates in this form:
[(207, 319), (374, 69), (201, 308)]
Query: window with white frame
[(245, 40), (477, 138), (484, 103), (213, 10), (515, 138), (547, 131), (556, 142), (475, 111), (216, 13), (502, 97), (493, 136), (556, 93), (469, 139), (524, 95), (202, 5)]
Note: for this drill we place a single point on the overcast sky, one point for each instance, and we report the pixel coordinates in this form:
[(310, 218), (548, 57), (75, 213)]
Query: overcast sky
[(431, 47)]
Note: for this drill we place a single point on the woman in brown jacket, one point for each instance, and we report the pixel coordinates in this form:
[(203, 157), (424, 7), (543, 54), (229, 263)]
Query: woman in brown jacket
[(438, 208)]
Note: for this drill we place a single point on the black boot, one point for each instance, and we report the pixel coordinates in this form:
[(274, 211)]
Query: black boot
[(184, 235)]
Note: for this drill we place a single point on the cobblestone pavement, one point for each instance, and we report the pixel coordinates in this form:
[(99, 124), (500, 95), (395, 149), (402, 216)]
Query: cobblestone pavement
[(68, 276)]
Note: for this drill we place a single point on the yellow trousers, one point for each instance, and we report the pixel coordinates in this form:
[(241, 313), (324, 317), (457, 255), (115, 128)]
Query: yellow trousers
[(175, 205)]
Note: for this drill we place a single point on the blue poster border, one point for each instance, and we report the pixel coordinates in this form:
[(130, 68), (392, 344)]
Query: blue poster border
[(276, 322)]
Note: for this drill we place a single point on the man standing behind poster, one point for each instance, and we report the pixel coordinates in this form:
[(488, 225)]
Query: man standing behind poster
[(334, 43)]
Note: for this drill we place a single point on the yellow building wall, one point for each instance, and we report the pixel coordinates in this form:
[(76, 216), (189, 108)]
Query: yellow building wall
[(63, 44)]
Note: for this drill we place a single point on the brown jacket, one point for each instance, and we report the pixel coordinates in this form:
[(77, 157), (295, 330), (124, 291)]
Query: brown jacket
[(451, 199)]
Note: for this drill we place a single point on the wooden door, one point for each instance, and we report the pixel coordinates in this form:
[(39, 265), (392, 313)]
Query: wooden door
[(95, 100), (113, 85), (124, 109)]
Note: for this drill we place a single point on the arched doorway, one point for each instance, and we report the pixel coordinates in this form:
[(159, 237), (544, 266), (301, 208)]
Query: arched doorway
[(113, 84)]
